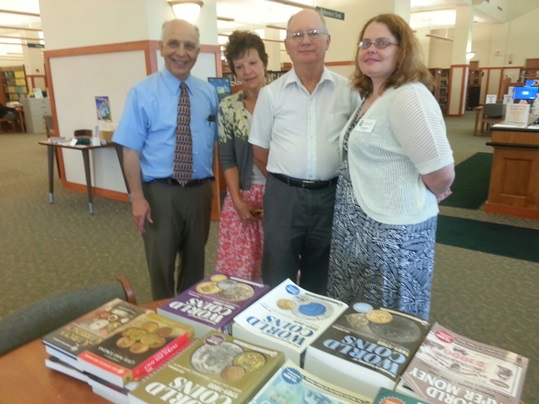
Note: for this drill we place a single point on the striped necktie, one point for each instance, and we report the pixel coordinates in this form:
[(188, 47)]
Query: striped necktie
[(183, 159)]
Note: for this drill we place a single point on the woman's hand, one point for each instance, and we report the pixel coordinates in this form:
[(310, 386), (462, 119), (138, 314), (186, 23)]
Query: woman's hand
[(246, 212)]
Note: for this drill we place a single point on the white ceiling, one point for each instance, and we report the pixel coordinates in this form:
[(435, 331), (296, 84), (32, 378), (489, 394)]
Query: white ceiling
[(255, 14)]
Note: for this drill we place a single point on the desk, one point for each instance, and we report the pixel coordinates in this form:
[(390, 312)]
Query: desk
[(514, 188), (85, 150), (24, 378)]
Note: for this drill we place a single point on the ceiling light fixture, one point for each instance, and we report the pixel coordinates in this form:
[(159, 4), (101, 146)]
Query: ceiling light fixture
[(443, 38), (188, 10), (470, 55)]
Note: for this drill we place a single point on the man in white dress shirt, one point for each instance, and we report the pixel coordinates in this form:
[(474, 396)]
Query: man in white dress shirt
[(295, 137)]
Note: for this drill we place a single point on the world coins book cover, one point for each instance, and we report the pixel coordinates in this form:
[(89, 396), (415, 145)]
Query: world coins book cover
[(287, 318), (217, 368), (90, 329), (292, 384), (449, 367), (366, 348), (212, 303), (136, 351)]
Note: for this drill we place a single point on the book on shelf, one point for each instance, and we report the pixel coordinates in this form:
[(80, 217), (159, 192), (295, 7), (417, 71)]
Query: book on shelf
[(136, 351), (90, 329), (292, 384), (386, 396), (366, 348), (287, 318), (212, 303), (216, 368), (449, 367)]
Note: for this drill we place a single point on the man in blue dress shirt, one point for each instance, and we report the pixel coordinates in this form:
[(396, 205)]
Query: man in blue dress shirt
[(173, 219)]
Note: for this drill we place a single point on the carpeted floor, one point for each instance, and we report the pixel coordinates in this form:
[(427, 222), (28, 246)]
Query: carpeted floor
[(46, 249)]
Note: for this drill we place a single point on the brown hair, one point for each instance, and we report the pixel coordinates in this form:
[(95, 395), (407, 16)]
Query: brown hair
[(410, 67), (239, 42)]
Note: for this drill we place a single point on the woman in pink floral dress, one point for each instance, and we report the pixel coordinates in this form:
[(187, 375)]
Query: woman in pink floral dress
[(241, 237)]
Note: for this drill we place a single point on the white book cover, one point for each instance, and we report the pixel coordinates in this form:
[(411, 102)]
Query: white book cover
[(287, 318), (449, 366), (62, 367), (292, 384)]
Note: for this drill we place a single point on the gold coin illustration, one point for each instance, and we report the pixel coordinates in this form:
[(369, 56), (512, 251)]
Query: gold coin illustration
[(379, 316), (153, 341), (233, 373), (250, 361), (285, 304), (139, 347), (207, 288), (150, 326), (218, 278), (124, 342)]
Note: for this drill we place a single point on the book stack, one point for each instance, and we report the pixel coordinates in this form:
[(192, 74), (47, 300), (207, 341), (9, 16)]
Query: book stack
[(212, 303), (449, 367), (366, 348), (136, 351), (288, 318), (217, 368), (292, 384), (68, 341)]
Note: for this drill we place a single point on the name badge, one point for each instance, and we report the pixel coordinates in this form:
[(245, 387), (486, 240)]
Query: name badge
[(366, 125)]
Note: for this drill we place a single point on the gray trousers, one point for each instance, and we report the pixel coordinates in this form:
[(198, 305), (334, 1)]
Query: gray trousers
[(177, 238), (297, 234)]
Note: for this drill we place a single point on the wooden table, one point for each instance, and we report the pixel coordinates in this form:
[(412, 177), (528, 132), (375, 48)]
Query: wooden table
[(24, 378), (85, 150)]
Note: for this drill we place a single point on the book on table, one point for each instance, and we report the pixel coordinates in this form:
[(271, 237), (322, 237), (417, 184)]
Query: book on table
[(216, 368), (57, 364), (212, 303), (90, 329), (287, 318), (366, 348), (292, 384), (137, 350), (386, 396), (449, 367)]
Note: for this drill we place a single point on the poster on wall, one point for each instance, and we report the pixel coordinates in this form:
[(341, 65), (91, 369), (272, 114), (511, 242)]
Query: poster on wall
[(103, 109)]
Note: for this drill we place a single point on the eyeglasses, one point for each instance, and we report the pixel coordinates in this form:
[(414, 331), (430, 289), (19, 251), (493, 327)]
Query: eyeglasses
[(377, 44), (313, 34)]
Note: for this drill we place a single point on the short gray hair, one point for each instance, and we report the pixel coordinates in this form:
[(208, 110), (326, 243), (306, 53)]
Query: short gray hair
[(166, 23)]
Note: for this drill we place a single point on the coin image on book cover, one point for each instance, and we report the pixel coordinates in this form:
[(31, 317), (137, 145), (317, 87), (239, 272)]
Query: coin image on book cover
[(399, 329), (379, 316), (236, 293), (285, 304), (124, 342), (139, 347), (226, 284), (313, 310), (250, 361), (207, 288), (212, 359), (153, 340), (218, 278), (357, 320), (233, 373)]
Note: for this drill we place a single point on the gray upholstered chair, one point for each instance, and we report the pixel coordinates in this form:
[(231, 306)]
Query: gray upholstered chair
[(46, 315)]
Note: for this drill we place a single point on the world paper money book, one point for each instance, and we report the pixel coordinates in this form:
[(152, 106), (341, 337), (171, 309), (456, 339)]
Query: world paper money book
[(292, 384), (449, 367), (212, 303), (287, 318), (217, 368), (366, 348)]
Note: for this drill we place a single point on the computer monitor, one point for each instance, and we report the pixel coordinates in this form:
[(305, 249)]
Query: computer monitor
[(532, 83), (528, 94), (222, 86)]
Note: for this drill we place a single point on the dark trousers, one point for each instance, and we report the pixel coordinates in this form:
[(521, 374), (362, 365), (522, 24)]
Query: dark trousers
[(297, 234), (177, 238)]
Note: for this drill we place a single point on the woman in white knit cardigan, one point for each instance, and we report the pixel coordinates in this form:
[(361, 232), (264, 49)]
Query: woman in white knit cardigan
[(397, 166)]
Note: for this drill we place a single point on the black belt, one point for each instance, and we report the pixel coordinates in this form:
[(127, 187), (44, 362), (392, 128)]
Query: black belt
[(174, 181), (307, 184)]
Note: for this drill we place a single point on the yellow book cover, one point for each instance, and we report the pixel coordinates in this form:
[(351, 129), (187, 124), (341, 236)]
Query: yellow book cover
[(217, 368)]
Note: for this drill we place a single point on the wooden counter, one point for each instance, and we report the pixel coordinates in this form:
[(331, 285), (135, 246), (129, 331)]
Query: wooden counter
[(514, 179)]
